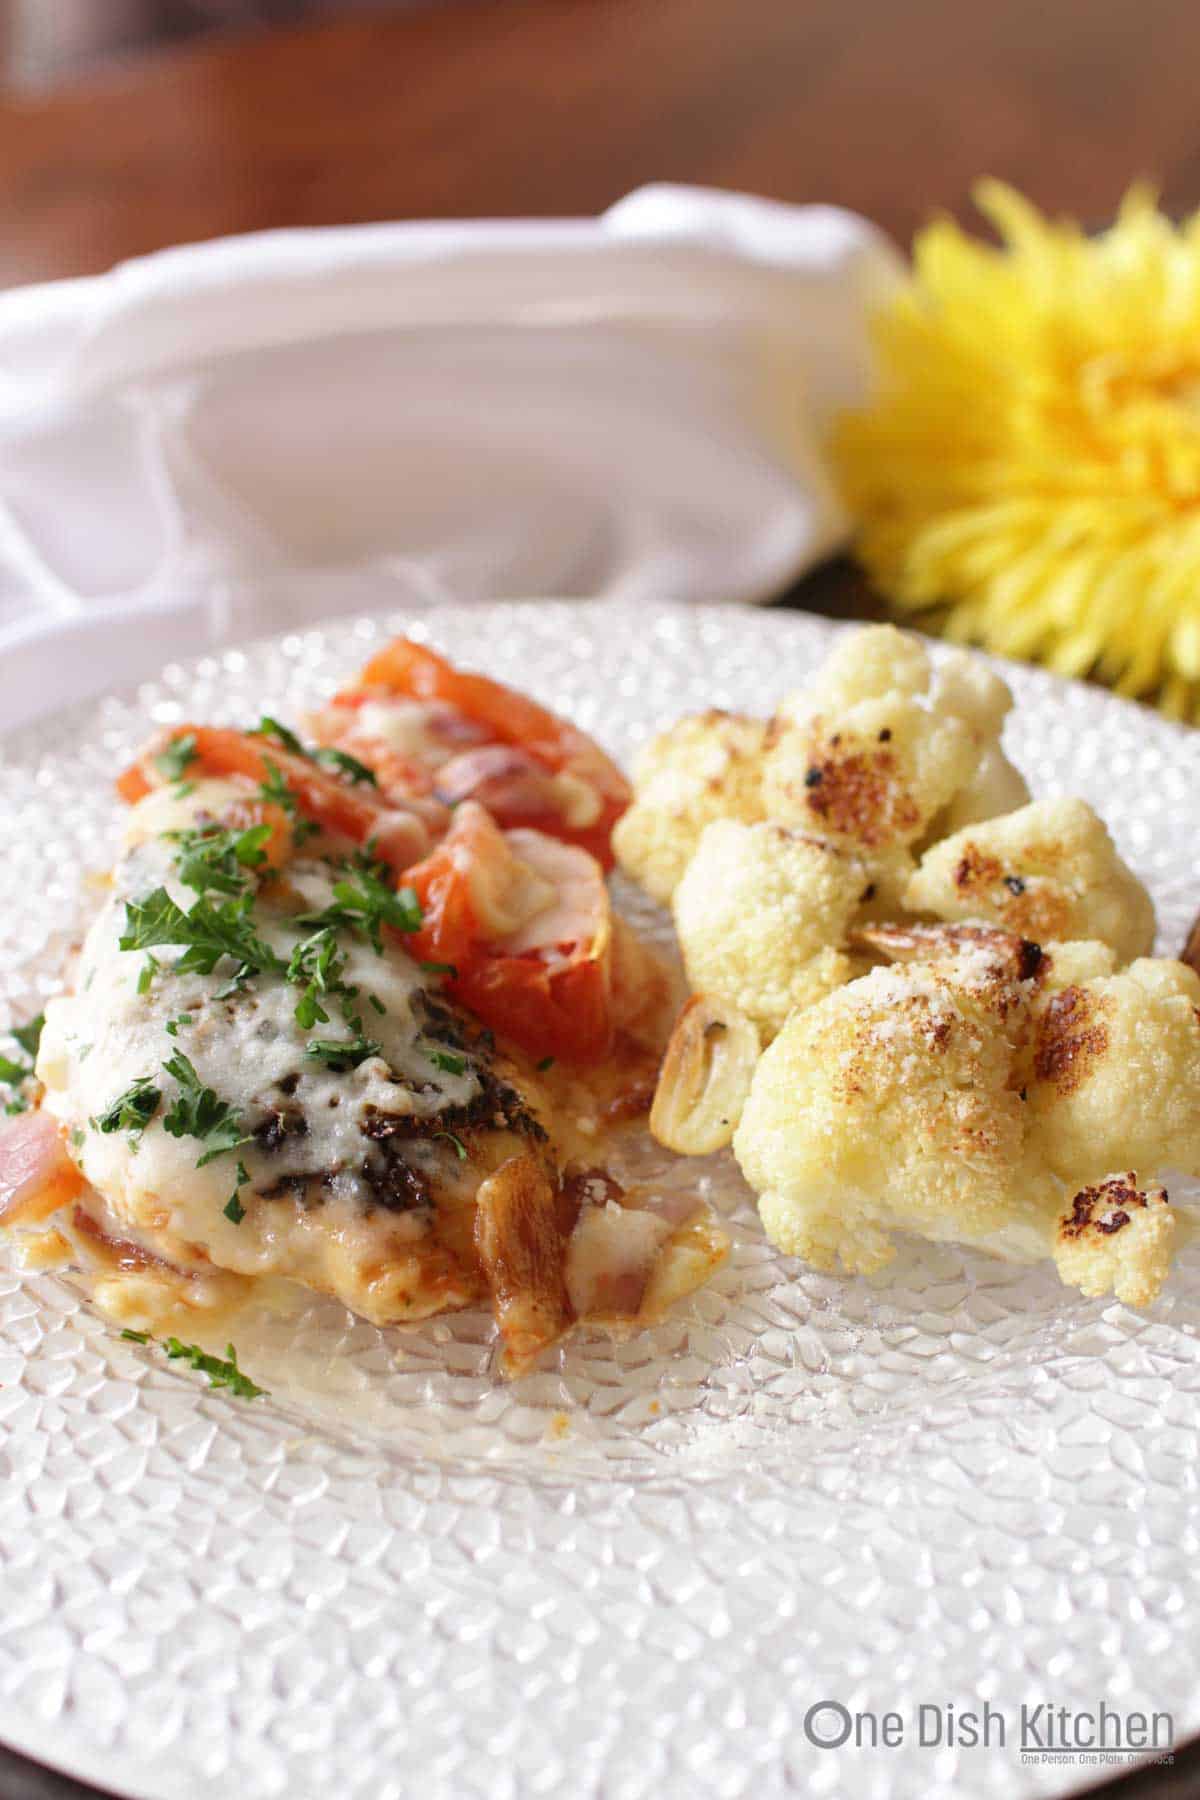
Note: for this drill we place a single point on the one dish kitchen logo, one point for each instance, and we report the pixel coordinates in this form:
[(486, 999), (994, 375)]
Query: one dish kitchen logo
[(1042, 1732)]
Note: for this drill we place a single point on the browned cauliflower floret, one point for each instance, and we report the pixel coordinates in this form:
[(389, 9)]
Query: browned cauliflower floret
[(1117, 1238), (869, 777), (892, 1105), (705, 767), (762, 914), (1003, 1067), (1115, 1074), (1049, 870), (862, 758), (905, 1100)]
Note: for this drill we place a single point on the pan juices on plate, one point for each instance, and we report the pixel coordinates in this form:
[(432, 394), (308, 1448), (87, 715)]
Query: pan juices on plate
[(361, 1017), (921, 1001)]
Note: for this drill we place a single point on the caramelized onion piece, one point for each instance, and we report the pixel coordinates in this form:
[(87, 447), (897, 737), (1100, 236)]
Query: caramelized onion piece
[(36, 1174), (521, 1247)]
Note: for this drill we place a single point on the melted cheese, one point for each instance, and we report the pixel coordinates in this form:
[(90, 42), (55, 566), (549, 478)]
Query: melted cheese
[(355, 1185), (329, 1189), (405, 726)]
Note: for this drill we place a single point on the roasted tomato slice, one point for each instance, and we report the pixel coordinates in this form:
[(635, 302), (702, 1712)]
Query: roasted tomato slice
[(482, 741), (399, 832), (524, 925)]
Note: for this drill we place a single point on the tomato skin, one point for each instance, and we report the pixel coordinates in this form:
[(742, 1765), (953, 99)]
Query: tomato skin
[(561, 1012), (419, 673), (320, 796), (133, 784), (553, 1001)]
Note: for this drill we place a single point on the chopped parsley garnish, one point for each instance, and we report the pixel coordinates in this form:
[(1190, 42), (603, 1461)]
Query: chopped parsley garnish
[(346, 765), (146, 974), (209, 931), (341, 760), (233, 1209), (133, 1110), (213, 860), (460, 1149), (13, 1074), (317, 964), (174, 1024), (221, 1372), (198, 1112), (449, 1060), (377, 1003), (366, 901), (547, 1062), (271, 728), (341, 1054), (29, 1036), (436, 968), (276, 790), (179, 753)]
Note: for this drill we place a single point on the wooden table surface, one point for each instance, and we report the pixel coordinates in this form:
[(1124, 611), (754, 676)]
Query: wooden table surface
[(495, 107), (509, 107), (560, 106)]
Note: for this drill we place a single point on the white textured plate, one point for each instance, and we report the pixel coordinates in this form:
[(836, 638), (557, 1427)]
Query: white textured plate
[(634, 1573)]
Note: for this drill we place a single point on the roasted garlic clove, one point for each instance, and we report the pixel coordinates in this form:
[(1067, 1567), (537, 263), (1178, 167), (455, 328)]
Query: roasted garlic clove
[(705, 1077), (1018, 956)]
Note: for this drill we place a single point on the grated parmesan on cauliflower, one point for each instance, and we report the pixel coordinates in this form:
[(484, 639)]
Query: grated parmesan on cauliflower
[(984, 1084), (911, 1099), (891, 1105), (1115, 1075), (1049, 870), (1117, 1238)]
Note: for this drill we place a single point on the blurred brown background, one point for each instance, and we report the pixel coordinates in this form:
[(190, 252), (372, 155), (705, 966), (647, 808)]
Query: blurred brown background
[(129, 124)]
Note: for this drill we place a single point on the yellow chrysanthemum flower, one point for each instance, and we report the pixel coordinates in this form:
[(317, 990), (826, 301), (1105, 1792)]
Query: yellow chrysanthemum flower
[(1033, 455)]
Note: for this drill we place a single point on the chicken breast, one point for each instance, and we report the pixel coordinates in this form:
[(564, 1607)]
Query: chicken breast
[(253, 1075)]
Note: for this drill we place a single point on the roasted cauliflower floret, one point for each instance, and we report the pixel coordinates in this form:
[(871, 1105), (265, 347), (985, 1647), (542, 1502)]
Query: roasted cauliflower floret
[(762, 914), (869, 664), (870, 777), (1117, 1238), (995, 787), (1115, 1076), (892, 1104), (905, 1101), (966, 687), (1049, 870), (1068, 964), (969, 690), (706, 767)]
